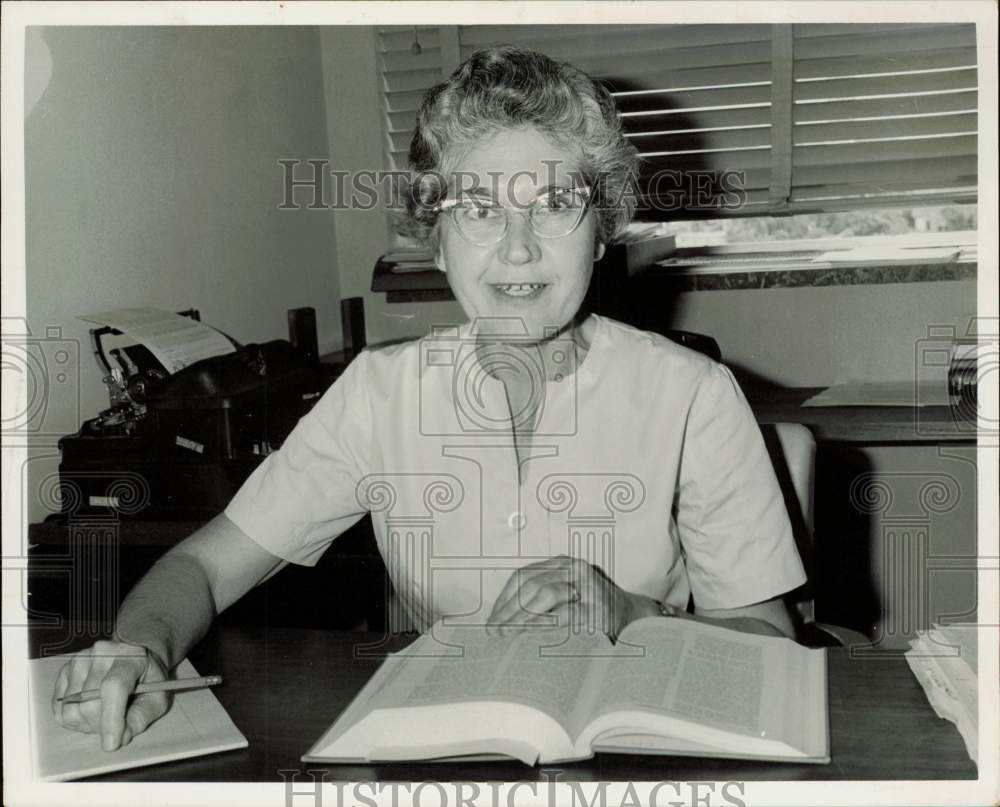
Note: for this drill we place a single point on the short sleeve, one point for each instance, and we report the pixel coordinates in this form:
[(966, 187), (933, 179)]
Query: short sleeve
[(304, 495), (734, 529)]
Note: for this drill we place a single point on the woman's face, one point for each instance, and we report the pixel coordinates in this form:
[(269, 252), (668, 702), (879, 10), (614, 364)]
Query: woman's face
[(513, 168)]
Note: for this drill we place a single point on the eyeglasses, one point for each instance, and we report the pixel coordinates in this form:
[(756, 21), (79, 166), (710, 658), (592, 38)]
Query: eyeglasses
[(484, 222)]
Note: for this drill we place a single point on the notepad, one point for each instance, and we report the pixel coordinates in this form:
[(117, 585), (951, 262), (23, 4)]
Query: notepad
[(195, 725)]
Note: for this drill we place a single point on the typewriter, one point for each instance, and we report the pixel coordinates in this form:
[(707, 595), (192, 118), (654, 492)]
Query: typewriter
[(176, 447)]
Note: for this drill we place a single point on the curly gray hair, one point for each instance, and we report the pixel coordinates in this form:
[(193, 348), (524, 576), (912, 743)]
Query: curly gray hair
[(506, 87)]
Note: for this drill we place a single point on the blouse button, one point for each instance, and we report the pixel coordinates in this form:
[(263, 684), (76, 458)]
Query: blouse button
[(516, 521)]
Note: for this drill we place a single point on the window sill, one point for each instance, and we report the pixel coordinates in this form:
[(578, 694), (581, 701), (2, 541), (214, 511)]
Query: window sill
[(842, 262), (767, 273), (827, 262)]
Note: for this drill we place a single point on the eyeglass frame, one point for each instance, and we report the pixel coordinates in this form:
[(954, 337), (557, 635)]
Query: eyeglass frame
[(451, 205)]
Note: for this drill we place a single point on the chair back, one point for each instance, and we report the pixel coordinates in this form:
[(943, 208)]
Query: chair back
[(793, 454), (792, 449), (696, 341)]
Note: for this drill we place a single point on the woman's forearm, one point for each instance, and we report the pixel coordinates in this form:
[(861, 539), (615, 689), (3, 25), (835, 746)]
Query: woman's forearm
[(744, 624), (169, 610), (173, 606), (642, 606)]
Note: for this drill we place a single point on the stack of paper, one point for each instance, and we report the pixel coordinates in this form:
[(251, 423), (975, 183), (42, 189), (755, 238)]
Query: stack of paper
[(410, 260), (945, 663), (886, 254), (931, 391)]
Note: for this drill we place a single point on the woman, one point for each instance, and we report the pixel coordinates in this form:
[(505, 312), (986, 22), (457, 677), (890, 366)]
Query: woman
[(533, 466)]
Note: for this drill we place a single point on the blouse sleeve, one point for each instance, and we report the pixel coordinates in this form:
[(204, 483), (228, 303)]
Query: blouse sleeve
[(734, 529), (304, 495)]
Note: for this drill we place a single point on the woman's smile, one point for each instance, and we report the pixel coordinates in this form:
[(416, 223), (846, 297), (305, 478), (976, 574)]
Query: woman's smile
[(519, 292)]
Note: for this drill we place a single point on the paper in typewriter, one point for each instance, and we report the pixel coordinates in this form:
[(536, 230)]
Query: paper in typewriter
[(176, 341)]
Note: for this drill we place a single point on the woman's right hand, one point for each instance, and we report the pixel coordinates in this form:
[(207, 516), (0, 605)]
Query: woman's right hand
[(116, 669)]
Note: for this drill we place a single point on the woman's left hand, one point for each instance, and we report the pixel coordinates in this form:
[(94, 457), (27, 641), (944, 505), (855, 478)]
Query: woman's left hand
[(560, 591)]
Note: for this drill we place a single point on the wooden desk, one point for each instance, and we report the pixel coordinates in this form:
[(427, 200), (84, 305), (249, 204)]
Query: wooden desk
[(284, 687), (875, 425), (97, 561)]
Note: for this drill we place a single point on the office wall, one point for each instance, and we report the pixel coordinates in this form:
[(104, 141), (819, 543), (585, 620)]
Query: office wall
[(152, 178), (354, 123), (805, 337)]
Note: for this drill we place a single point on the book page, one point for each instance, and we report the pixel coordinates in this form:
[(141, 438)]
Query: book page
[(701, 674), (196, 724), (544, 669)]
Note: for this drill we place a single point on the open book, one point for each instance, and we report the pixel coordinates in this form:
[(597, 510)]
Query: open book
[(196, 724), (669, 686)]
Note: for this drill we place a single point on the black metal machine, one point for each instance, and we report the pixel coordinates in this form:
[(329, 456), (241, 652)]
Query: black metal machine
[(178, 446)]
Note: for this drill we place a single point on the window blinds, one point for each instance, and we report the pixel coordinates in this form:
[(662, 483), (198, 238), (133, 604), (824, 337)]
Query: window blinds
[(883, 115), (811, 117)]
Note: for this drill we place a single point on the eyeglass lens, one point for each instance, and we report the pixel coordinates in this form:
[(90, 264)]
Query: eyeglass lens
[(551, 215)]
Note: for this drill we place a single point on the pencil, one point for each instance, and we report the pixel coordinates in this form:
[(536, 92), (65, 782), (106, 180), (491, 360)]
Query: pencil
[(153, 686)]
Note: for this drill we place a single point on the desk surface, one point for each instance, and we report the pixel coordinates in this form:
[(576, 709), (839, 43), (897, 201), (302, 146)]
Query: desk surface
[(861, 424), (284, 687)]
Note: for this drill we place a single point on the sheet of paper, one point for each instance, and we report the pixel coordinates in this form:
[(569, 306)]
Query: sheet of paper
[(195, 725), (887, 254), (176, 341), (414, 266), (932, 392), (943, 660), (965, 638)]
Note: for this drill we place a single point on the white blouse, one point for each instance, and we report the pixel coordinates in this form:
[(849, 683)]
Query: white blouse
[(646, 462)]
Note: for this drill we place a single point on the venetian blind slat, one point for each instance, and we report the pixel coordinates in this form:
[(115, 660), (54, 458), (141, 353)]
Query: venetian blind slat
[(876, 108), (912, 84), (675, 121), (568, 41), (886, 128), (807, 69), (938, 174), (875, 41)]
